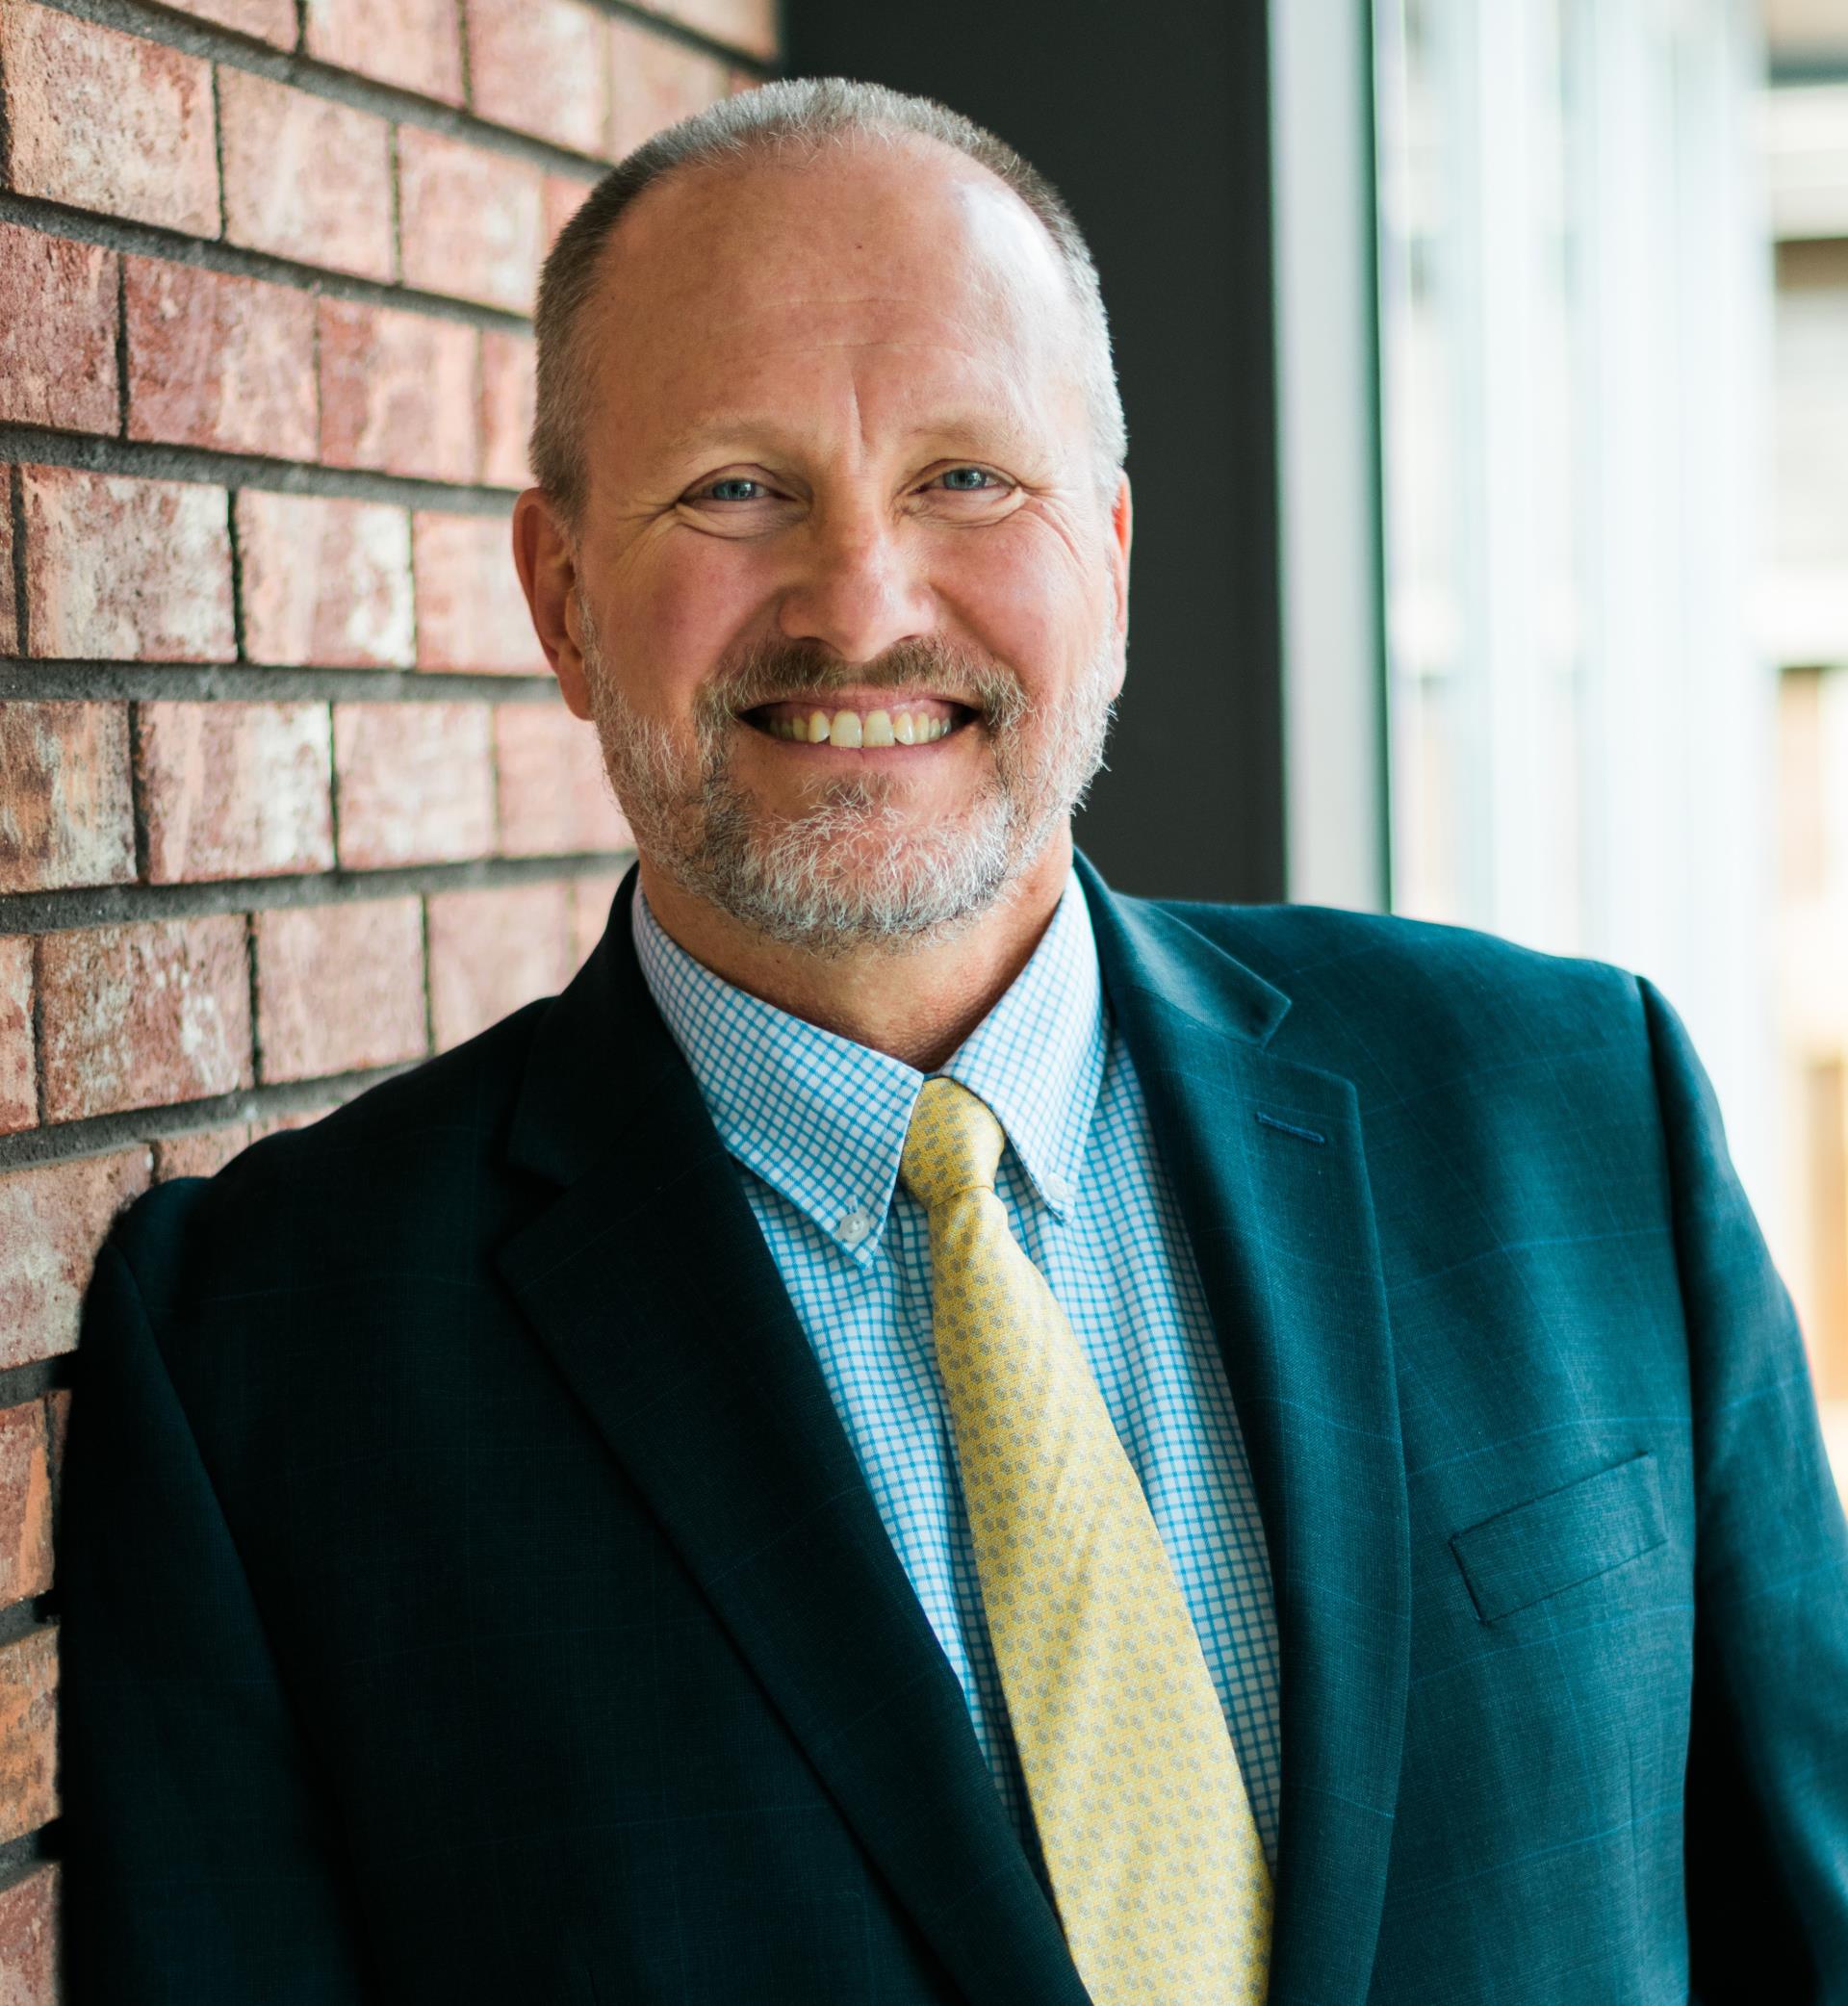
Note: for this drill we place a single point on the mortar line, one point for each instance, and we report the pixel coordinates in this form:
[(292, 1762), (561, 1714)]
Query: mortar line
[(47, 681), (250, 980), (95, 453), (394, 196), (137, 794), (122, 346), (424, 945), (217, 149), (34, 963), (53, 219), (17, 512), (41, 912)]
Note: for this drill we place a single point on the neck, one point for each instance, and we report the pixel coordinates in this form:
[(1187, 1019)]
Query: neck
[(917, 1005)]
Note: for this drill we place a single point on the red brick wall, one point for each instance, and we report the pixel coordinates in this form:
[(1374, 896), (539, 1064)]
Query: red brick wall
[(287, 799)]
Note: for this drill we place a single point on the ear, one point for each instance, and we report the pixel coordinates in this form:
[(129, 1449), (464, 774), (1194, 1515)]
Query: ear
[(1119, 551), (547, 568)]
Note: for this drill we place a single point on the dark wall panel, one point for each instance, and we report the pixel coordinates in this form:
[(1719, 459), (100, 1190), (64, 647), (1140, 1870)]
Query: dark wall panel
[(1153, 123)]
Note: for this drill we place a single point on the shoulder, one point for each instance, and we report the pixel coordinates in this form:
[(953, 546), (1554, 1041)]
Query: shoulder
[(1316, 945), (395, 1167), (1370, 983)]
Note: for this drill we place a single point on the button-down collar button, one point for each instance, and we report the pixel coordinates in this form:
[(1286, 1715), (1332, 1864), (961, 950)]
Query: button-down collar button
[(854, 1227), (1058, 1191)]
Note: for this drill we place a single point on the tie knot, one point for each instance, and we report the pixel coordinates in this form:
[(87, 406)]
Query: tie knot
[(954, 1143)]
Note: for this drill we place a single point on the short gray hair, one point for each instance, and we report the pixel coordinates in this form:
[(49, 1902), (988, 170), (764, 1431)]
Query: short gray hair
[(800, 115)]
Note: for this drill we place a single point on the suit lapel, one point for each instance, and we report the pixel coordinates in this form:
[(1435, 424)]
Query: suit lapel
[(1282, 1231), (646, 1279)]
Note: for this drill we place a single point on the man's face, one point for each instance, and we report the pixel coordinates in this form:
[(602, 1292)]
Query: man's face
[(840, 468)]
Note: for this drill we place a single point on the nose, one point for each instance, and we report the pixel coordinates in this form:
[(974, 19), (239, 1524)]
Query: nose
[(858, 587)]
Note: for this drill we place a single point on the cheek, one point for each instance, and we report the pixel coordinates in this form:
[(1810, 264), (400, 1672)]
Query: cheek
[(1029, 603), (677, 613)]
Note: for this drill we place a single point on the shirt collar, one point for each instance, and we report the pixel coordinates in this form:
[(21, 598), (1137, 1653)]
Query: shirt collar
[(823, 1120)]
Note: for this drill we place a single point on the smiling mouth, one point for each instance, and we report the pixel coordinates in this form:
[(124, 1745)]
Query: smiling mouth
[(907, 721)]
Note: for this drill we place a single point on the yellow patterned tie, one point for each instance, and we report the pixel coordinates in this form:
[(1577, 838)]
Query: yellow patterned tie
[(1156, 1868)]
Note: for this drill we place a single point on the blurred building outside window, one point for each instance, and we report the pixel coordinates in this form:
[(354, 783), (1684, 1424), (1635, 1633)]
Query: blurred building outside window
[(1613, 302), (1804, 624)]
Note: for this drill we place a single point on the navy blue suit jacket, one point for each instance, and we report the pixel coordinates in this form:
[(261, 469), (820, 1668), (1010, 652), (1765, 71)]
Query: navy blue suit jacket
[(469, 1592)]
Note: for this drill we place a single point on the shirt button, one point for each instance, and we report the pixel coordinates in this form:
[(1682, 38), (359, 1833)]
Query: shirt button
[(1058, 1191), (854, 1227)]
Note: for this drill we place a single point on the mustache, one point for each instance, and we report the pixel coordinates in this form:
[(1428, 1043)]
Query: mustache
[(771, 672)]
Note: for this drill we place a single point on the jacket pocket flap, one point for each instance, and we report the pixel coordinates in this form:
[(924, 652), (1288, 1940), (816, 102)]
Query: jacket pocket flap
[(1571, 1536)]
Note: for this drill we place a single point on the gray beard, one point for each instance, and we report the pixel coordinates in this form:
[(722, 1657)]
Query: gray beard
[(851, 873)]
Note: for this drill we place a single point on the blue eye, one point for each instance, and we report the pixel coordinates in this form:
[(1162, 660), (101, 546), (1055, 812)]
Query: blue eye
[(980, 473), (731, 480)]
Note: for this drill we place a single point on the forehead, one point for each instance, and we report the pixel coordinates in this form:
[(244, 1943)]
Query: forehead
[(902, 272)]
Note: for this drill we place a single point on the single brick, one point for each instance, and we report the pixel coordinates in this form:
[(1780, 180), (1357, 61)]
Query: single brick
[(654, 82), (326, 584), (25, 1505), (53, 1217), (339, 987), (470, 613), (31, 1938), (105, 121), (57, 334), (66, 812), (218, 361), (541, 66), (264, 21), (472, 222), (507, 408), (304, 177), (590, 902), (119, 567), (563, 198), (233, 791), (397, 392), (750, 25), (28, 1732), (415, 45), (18, 1076), (492, 951), (201, 1152), (416, 783), (554, 798), (142, 1016)]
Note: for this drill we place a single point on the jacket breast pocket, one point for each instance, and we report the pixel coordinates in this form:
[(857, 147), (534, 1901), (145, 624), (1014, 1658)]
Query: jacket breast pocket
[(1567, 1536)]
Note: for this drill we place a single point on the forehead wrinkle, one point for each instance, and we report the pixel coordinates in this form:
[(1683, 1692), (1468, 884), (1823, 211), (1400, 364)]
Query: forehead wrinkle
[(1001, 425), (989, 407)]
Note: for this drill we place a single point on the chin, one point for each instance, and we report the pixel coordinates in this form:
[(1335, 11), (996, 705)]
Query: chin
[(846, 877)]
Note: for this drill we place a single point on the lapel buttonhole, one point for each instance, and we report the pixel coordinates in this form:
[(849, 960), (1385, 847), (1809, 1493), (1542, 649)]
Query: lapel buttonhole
[(1306, 1135)]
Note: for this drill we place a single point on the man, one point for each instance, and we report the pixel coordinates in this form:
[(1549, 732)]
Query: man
[(927, 1431)]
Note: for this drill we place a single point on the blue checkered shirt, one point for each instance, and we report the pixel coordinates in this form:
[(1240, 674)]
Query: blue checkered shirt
[(818, 1125)]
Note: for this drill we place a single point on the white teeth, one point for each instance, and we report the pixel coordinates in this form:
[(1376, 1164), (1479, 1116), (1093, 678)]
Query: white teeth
[(848, 728)]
